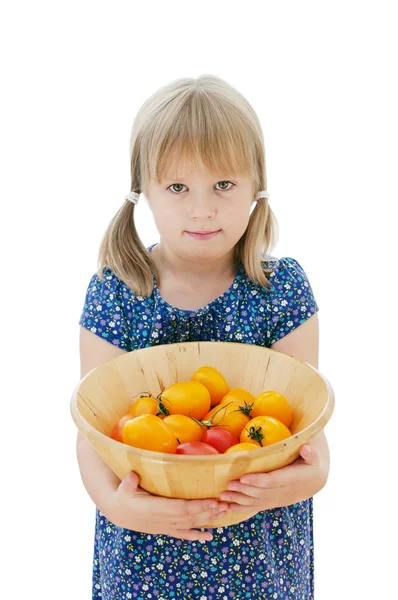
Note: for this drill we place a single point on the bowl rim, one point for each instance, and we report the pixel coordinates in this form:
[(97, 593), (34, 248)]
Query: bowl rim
[(315, 427)]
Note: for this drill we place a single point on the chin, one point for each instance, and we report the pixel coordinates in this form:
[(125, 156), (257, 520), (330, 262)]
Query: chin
[(207, 251)]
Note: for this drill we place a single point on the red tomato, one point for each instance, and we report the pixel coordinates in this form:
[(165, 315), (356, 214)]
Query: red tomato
[(196, 448), (219, 438)]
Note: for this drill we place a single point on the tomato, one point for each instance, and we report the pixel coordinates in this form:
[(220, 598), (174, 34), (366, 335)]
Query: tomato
[(184, 428), (228, 416), (265, 430), (185, 398), (144, 406), (196, 448), (149, 433), (118, 428), (213, 381), (219, 438), (242, 447), (273, 404), (241, 396)]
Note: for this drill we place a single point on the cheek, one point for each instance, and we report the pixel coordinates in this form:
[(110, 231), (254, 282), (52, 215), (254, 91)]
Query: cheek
[(237, 219), (167, 220)]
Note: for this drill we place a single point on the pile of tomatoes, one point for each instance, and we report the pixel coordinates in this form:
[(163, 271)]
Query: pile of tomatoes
[(204, 416)]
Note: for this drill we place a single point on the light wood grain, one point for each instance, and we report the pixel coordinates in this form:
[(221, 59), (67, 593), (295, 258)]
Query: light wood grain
[(105, 394)]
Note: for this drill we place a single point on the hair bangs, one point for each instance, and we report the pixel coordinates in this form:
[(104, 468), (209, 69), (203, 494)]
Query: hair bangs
[(198, 133)]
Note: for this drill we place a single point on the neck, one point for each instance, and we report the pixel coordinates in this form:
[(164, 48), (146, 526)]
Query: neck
[(199, 269)]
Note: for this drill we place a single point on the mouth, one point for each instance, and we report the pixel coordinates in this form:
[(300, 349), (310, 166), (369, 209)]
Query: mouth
[(203, 235)]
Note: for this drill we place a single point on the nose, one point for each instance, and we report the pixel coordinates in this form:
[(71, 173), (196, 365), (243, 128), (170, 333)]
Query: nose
[(202, 207)]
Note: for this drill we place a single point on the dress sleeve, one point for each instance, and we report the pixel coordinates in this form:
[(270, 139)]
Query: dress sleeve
[(292, 299), (103, 312)]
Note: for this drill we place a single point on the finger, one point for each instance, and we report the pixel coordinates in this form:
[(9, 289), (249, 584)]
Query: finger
[(271, 480), (207, 517), (187, 508), (194, 507), (309, 454), (244, 509), (179, 511), (249, 490), (284, 477), (203, 517), (191, 535), (129, 485), (238, 498)]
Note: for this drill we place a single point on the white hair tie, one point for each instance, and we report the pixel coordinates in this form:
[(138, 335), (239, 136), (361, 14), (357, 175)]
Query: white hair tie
[(132, 197), (262, 194)]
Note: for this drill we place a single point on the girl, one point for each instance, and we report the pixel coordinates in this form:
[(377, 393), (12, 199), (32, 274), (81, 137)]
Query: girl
[(197, 153)]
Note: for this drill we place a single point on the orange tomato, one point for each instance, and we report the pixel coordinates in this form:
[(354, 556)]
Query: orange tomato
[(144, 406), (273, 404), (213, 381), (118, 427), (265, 430), (242, 447), (148, 432), (239, 395), (185, 398), (228, 416), (184, 428)]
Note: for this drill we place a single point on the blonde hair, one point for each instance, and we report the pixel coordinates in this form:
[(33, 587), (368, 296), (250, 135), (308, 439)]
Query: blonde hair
[(209, 124)]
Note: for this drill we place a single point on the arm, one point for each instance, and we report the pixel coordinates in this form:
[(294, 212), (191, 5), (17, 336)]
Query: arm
[(308, 474), (98, 479), (124, 503), (303, 343)]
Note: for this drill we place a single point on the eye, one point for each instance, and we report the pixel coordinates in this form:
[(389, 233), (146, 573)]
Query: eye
[(226, 190), (175, 184), (181, 184)]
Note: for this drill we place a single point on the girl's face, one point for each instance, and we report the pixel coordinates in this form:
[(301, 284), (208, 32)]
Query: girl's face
[(200, 216)]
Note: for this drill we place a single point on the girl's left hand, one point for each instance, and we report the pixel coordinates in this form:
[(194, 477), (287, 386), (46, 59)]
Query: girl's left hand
[(282, 487)]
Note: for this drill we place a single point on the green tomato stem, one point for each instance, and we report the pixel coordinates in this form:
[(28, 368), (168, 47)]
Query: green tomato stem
[(256, 434)]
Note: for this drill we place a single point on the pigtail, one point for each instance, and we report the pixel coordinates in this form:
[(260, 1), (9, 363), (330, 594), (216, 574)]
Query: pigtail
[(124, 253), (257, 242)]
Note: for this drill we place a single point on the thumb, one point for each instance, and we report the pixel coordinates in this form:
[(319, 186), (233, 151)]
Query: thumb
[(129, 485), (308, 454)]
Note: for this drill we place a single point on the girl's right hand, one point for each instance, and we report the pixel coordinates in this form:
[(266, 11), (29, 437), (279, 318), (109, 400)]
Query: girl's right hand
[(134, 508)]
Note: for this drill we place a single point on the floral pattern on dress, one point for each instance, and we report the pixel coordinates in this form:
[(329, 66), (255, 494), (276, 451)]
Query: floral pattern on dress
[(267, 556)]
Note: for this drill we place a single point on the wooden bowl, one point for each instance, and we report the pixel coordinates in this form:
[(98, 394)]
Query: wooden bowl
[(105, 394)]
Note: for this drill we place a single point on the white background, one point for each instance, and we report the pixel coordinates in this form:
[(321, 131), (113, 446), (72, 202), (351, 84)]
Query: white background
[(322, 79)]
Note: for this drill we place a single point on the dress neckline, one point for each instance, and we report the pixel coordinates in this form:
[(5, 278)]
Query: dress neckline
[(198, 311)]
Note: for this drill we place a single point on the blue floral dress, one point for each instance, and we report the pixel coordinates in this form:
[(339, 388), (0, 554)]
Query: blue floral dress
[(267, 556)]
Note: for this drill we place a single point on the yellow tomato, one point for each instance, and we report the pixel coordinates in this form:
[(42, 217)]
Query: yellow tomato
[(184, 428), (148, 432), (265, 430), (273, 404), (227, 416), (239, 395), (117, 430), (144, 406), (213, 381), (186, 398), (242, 447)]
